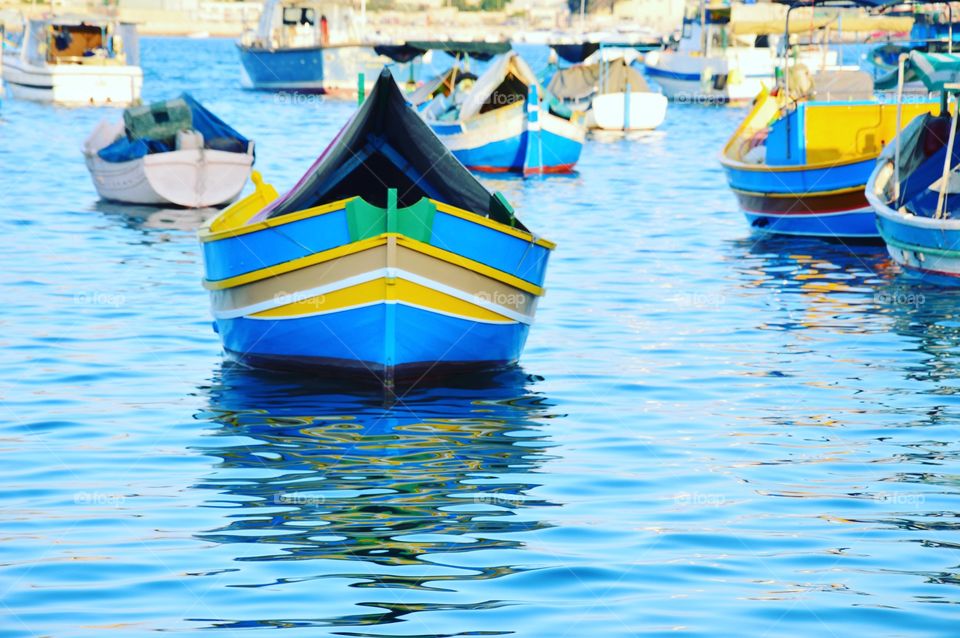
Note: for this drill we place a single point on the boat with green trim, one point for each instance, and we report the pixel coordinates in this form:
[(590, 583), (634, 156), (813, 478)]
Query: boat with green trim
[(387, 259), (915, 186)]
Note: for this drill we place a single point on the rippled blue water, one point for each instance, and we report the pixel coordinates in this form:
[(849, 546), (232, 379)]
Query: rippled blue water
[(711, 434)]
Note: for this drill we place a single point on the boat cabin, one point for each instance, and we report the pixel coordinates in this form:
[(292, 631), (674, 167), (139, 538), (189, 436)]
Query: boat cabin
[(80, 41), (296, 24), (819, 130)]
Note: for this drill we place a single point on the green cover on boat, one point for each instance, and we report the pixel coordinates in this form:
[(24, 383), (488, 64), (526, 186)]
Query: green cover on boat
[(935, 70), (158, 121)]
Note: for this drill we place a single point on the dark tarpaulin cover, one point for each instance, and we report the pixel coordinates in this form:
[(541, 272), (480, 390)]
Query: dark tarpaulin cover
[(410, 50), (217, 135), (386, 145), (574, 53), (583, 80)]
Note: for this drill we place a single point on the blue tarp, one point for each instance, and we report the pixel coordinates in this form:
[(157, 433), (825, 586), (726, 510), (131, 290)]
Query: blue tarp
[(217, 135), (124, 150)]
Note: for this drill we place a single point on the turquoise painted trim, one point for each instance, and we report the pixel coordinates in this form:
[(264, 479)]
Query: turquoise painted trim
[(915, 248)]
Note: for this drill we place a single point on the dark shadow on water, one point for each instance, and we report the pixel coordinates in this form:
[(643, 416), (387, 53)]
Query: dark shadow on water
[(321, 471)]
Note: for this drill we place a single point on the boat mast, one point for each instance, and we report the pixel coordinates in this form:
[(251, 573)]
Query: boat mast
[(947, 161), (896, 151), (703, 27)]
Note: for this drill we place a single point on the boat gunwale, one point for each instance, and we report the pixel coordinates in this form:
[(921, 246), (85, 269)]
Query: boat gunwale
[(208, 236), (728, 162)]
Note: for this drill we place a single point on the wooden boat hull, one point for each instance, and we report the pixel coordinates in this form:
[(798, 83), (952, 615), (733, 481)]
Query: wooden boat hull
[(73, 84), (922, 246), (189, 178), (498, 141), (809, 202), (393, 292)]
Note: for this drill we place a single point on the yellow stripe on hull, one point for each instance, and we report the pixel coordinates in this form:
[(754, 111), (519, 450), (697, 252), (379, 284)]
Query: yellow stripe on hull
[(384, 290)]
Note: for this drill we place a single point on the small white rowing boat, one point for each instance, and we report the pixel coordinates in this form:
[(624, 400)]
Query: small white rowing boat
[(195, 162)]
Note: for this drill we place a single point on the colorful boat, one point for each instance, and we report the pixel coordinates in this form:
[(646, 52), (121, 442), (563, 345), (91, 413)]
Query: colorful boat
[(798, 165), (388, 259), (507, 123), (915, 185)]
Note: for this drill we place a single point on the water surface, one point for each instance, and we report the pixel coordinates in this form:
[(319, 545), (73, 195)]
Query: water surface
[(711, 433)]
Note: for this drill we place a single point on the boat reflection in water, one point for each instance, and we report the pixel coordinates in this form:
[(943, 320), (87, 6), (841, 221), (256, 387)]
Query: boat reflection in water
[(834, 286), (140, 217), (319, 482)]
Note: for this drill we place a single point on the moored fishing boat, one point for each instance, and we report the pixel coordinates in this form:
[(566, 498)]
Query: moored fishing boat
[(75, 61), (723, 57), (310, 47), (915, 185), (800, 160), (456, 78), (506, 122), (610, 91), (174, 152), (388, 258), (798, 165)]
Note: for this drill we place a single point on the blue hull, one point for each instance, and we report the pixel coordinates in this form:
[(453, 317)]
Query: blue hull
[(402, 339), (859, 224), (825, 202), (801, 181), (560, 154), (293, 69)]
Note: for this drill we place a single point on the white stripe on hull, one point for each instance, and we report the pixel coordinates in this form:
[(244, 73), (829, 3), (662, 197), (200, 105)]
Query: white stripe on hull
[(373, 275)]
